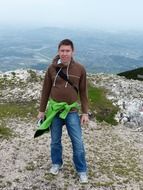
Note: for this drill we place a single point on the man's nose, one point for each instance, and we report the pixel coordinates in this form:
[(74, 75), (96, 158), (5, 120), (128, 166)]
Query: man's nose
[(64, 53)]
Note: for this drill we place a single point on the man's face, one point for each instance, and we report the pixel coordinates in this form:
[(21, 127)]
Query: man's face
[(65, 52)]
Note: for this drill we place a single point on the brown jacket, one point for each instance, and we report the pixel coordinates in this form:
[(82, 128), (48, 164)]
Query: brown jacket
[(61, 91)]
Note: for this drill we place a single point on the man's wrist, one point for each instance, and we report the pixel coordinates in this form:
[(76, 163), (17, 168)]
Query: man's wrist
[(85, 114)]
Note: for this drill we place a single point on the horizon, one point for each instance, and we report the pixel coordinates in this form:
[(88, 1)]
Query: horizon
[(28, 27)]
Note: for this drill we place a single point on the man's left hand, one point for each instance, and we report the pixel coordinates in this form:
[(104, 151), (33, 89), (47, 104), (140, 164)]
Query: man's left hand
[(84, 119)]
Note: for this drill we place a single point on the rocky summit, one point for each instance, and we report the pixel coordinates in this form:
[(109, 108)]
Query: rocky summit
[(125, 93), (25, 85), (114, 153)]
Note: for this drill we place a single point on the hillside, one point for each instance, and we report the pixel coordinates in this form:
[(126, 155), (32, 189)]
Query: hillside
[(99, 51), (136, 74), (114, 153)]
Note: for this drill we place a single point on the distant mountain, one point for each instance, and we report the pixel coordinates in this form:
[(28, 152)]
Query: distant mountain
[(98, 51), (133, 74)]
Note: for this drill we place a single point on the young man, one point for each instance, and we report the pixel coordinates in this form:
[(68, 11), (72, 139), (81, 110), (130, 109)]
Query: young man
[(61, 91)]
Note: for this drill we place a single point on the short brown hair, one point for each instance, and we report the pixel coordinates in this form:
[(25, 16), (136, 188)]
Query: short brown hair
[(66, 42)]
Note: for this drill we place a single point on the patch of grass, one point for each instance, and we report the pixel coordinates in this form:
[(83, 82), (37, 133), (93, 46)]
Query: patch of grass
[(33, 76), (5, 82), (11, 83), (104, 184), (30, 166), (16, 109), (5, 132), (135, 74), (49, 176), (105, 110), (22, 110), (129, 167)]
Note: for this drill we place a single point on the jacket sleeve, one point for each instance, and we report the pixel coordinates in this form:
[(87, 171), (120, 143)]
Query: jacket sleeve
[(83, 92), (47, 84)]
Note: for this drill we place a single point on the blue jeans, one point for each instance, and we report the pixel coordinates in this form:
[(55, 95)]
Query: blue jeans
[(72, 122)]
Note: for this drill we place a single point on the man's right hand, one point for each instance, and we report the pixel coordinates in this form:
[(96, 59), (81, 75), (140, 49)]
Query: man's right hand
[(41, 115)]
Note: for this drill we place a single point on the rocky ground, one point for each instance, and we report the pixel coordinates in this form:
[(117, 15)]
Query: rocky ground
[(124, 93), (114, 153), (25, 85), (114, 156)]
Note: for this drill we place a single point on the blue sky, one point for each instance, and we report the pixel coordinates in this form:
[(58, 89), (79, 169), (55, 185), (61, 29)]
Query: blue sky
[(101, 14)]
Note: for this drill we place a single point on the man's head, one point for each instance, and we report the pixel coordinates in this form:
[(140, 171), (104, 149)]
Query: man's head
[(65, 50)]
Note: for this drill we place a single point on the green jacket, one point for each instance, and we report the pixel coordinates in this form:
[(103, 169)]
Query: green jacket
[(53, 108)]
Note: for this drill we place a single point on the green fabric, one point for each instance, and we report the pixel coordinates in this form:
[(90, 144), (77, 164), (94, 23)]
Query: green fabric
[(53, 108)]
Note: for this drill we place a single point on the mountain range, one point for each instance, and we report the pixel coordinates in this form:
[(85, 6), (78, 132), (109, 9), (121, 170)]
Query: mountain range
[(98, 51)]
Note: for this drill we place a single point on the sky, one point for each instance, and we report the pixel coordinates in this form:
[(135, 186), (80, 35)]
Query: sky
[(96, 14)]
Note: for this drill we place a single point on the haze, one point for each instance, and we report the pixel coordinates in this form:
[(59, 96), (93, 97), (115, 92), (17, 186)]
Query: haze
[(96, 14)]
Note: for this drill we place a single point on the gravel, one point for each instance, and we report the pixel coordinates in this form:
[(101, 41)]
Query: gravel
[(114, 156)]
